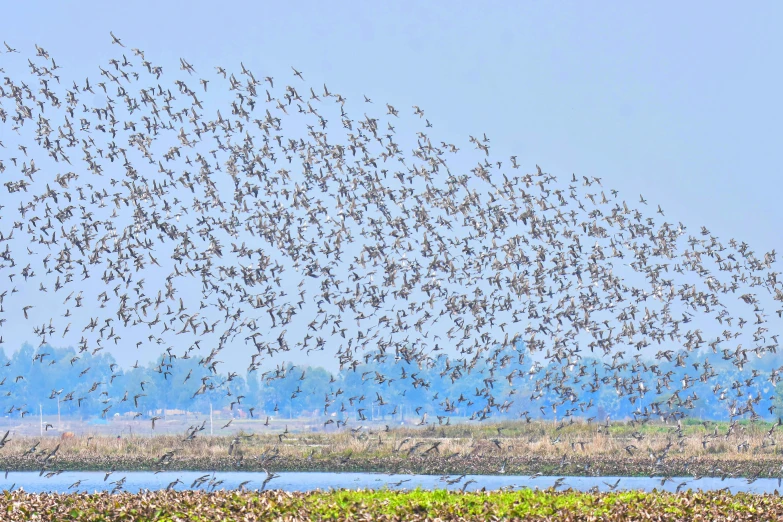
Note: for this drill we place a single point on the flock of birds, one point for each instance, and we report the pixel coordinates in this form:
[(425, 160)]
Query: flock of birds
[(202, 211)]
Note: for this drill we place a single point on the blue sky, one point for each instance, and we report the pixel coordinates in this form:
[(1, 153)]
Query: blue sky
[(676, 101)]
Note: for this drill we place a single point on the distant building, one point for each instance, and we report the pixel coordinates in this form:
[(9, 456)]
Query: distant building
[(167, 413)]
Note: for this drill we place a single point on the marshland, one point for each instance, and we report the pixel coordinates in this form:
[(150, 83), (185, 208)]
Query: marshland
[(688, 448), (389, 261), (414, 505)]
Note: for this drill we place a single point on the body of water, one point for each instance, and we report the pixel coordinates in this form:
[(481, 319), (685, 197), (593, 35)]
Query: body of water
[(133, 481)]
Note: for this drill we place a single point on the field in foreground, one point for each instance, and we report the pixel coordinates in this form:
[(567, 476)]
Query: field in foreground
[(526, 504)]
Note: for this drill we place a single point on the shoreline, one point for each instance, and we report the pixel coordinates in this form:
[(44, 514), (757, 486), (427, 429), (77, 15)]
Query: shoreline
[(576, 465)]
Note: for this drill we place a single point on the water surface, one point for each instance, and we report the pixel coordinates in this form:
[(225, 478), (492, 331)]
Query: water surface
[(292, 481)]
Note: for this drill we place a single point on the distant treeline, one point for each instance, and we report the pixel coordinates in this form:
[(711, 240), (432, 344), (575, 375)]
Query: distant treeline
[(506, 383)]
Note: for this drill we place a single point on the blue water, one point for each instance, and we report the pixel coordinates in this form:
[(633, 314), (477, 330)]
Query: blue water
[(136, 480)]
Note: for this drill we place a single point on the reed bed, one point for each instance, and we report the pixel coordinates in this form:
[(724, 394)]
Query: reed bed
[(621, 449), (385, 505)]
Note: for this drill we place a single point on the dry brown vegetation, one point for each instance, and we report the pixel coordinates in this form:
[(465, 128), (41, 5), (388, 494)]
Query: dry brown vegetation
[(514, 448)]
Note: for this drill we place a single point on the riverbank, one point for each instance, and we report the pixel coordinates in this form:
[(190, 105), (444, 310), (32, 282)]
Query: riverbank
[(385, 505), (621, 449), (574, 465)]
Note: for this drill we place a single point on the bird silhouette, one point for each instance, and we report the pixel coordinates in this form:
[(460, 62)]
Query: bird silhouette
[(265, 219)]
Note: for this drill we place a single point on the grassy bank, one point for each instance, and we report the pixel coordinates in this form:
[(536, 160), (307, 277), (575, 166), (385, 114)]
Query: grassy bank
[(428, 465), (694, 449), (415, 505)]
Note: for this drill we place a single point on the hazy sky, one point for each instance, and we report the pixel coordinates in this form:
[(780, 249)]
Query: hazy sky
[(676, 101), (679, 101)]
